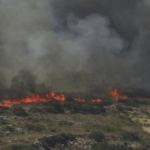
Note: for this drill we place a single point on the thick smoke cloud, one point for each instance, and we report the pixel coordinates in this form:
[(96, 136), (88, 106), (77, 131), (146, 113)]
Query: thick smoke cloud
[(74, 45)]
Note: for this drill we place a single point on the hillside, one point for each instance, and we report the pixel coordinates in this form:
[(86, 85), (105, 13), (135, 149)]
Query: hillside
[(71, 125)]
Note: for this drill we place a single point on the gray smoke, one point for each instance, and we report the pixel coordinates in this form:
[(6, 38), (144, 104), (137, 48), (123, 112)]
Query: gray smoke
[(74, 45)]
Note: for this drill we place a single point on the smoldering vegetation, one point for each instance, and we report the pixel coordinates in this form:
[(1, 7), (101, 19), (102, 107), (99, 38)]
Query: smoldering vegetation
[(73, 46)]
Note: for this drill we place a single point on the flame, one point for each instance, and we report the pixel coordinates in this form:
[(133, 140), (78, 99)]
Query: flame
[(52, 95), (98, 100), (35, 98), (115, 94), (79, 100)]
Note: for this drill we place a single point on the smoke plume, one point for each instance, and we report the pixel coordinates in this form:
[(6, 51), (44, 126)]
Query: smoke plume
[(74, 45)]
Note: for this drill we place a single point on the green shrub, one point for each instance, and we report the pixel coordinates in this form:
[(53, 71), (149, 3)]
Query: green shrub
[(55, 105), (9, 128), (97, 136), (50, 109), (74, 107), (64, 122), (57, 139), (93, 108), (18, 111), (107, 102), (32, 127), (3, 121), (35, 109), (131, 136), (106, 128), (106, 146), (119, 107), (69, 99), (3, 110), (131, 116), (130, 102), (20, 147), (145, 120)]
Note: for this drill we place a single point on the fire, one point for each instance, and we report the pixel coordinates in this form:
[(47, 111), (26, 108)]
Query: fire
[(115, 94), (52, 95), (79, 100), (35, 98), (98, 100)]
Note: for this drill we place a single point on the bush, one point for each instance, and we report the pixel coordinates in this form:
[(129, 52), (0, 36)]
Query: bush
[(93, 108), (131, 102), (18, 111), (57, 139), (20, 147), (106, 146), (32, 127), (107, 102), (131, 136), (9, 128), (97, 136), (74, 107), (56, 105), (120, 107), (3, 121), (35, 109), (3, 110), (50, 109), (64, 122)]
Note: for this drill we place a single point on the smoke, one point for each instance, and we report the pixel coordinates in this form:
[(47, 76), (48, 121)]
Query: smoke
[(74, 45)]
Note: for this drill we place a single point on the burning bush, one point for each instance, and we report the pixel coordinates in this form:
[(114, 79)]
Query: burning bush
[(18, 111)]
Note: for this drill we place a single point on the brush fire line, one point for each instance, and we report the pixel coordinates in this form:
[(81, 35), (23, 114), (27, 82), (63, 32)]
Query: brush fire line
[(36, 98)]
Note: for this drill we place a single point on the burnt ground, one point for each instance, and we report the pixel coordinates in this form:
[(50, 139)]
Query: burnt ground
[(120, 124)]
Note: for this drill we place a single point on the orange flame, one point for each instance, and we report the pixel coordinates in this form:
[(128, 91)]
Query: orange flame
[(115, 94), (79, 100), (98, 100), (52, 95), (35, 98)]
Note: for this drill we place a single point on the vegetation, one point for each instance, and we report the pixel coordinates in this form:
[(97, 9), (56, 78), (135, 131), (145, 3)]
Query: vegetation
[(57, 139), (21, 147), (18, 111), (131, 136), (106, 146), (33, 127), (97, 136), (70, 124)]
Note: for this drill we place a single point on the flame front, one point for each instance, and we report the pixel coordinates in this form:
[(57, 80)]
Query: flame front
[(98, 100), (79, 100), (115, 94), (35, 98)]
